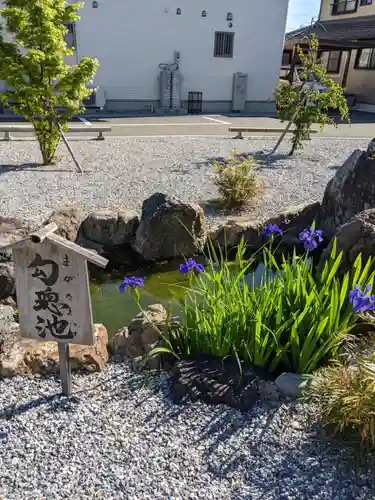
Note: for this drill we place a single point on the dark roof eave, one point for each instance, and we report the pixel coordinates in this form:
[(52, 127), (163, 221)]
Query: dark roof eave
[(331, 43), (354, 33)]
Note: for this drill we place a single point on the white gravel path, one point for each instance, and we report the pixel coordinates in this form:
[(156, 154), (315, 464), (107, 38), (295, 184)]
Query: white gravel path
[(123, 171), (126, 440)]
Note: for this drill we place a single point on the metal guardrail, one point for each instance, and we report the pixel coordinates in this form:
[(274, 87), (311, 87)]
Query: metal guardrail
[(7, 129)]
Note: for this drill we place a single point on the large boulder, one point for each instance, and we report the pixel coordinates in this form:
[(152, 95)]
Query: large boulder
[(111, 228), (355, 237), (169, 228), (293, 221), (68, 221), (142, 333), (20, 356), (228, 235), (7, 320), (351, 191), (7, 280), (12, 230)]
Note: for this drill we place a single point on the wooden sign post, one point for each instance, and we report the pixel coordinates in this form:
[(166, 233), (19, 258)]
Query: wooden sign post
[(53, 295)]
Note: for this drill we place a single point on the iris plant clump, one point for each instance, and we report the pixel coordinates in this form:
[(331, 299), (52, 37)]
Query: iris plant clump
[(293, 317)]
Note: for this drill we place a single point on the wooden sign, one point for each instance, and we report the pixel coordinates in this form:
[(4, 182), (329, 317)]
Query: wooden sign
[(53, 295)]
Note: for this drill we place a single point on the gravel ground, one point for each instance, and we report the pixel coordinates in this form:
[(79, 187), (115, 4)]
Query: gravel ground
[(122, 172), (126, 440)]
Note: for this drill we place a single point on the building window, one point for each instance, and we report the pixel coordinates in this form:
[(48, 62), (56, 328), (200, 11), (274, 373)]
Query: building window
[(224, 42), (365, 59), (344, 7), (70, 37), (333, 61), (365, 2)]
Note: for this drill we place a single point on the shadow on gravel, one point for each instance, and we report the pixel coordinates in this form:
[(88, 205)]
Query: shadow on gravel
[(269, 451), (265, 160), (33, 167), (12, 411)]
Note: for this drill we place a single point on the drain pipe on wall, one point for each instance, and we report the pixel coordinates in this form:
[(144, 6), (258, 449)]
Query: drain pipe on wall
[(172, 69)]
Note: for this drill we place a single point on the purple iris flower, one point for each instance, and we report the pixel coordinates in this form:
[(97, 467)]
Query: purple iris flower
[(361, 301), (189, 265), (311, 238), (272, 228), (221, 160), (131, 282)]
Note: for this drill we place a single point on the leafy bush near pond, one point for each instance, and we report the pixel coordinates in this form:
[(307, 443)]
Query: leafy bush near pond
[(346, 396), (236, 179), (293, 320), (294, 317)]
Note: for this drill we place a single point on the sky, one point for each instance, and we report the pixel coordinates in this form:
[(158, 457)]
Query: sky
[(301, 12)]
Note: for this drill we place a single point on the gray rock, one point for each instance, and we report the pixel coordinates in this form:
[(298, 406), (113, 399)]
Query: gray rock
[(22, 356), (294, 220), (12, 230), (229, 234), (90, 245), (68, 221), (7, 281), (351, 191), (355, 237), (142, 334), (140, 364), (6, 315), (371, 148), (110, 227), (9, 301), (292, 384), (169, 228), (7, 323)]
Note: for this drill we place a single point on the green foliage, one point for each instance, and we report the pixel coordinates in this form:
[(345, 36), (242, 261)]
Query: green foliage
[(294, 319), (236, 179), (291, 98), (345, 394), (32, 63)]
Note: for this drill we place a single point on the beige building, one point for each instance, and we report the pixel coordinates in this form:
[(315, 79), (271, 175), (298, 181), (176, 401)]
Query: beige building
[(346, 33)]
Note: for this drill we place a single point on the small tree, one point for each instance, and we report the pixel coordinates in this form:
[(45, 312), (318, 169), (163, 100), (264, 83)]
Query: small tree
[(304, 105), (33, 66)]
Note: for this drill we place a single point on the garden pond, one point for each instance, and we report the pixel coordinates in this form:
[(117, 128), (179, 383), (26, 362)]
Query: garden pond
[(163, 285), (116, 310)]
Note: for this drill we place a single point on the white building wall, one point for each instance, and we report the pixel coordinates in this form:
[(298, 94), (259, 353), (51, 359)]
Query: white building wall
[(131, 39)]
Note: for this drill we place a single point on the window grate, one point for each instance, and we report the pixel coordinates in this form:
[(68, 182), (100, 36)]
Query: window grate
[(224, 42)]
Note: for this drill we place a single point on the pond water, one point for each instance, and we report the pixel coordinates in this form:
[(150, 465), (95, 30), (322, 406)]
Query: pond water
[(115, 309)]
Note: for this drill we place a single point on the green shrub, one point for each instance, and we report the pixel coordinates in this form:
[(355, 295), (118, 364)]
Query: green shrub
[(346, 396), (293, 320), (291, 97), (236, 179)]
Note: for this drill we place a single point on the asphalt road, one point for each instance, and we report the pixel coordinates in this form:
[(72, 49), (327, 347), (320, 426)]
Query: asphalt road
[(362, 126)]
